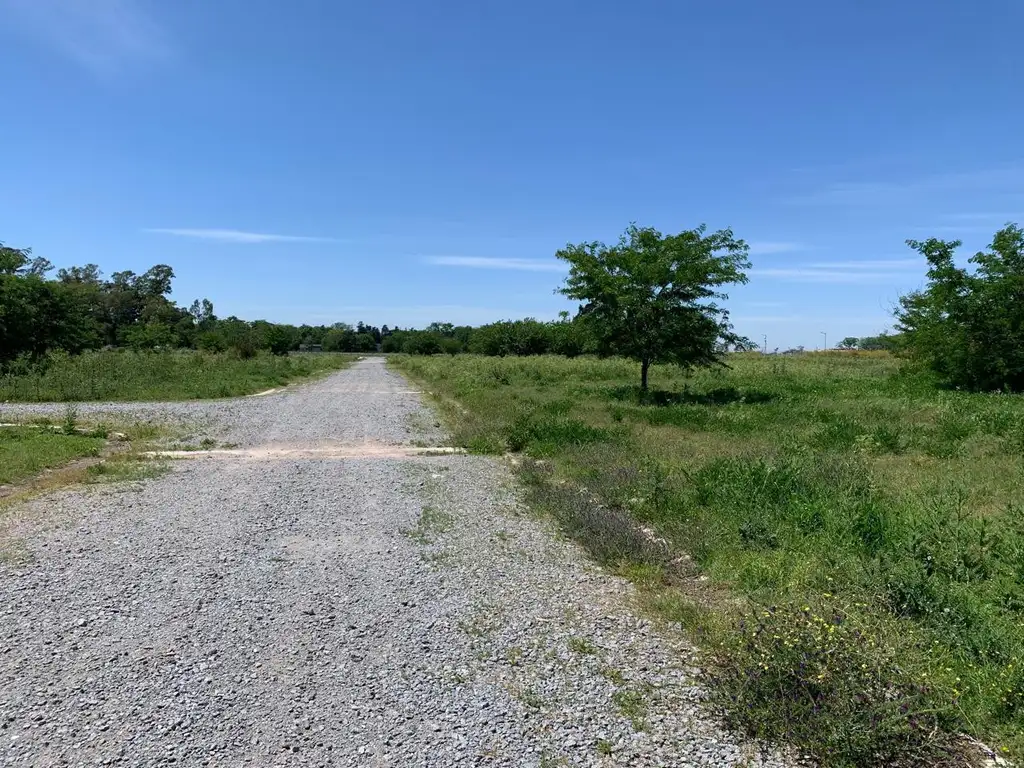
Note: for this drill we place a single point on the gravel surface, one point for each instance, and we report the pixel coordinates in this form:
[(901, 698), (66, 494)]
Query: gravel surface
[(373, 404), (363, 611)]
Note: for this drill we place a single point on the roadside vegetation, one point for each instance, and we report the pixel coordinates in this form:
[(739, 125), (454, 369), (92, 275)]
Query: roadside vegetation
[(26, 451), (139, 375), (869, 521), (43, 453), (840, 531)]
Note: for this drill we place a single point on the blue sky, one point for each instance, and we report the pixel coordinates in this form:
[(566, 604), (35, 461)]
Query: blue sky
[(401, 162)]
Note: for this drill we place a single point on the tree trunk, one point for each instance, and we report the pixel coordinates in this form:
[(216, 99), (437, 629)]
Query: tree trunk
[(645, 364)]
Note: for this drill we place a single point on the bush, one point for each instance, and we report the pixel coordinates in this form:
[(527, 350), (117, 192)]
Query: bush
[(820, 676), (969, 326)]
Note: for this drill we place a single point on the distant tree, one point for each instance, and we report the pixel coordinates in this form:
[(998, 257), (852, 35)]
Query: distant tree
[(741, 344), (651, 297), (19, 261), (442, 329), (279, 339), (152, 335), (882, 342), (13, 260), (850, 342), (422, 343), (337, 340), (89, 274), (567, 338), (968, 324), (202, 313), (364, 342)]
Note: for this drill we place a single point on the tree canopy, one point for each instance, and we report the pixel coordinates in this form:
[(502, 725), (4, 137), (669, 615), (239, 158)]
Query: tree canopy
[(968, 324), (652, 297)]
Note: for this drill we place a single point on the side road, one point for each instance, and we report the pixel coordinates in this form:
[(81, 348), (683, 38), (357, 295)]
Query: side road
[(382, 609)]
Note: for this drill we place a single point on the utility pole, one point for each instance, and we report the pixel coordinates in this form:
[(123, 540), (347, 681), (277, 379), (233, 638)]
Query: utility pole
[(765, 352)]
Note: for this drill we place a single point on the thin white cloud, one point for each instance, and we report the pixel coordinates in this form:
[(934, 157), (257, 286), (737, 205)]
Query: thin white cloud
[(1005, 180), (766, 247), (957, 229), (868, 264), (972, 223), (812, 275), (993, 217), (767, 318), (105, 36), (489, 262), (238, 236)]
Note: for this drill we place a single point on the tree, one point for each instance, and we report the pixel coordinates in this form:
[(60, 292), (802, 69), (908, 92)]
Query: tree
[(202, 313), (651, 297), (279, 339), (850, 342), (968, 325)]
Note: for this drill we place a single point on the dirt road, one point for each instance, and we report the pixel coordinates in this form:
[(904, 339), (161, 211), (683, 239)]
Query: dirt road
[(343, 604)]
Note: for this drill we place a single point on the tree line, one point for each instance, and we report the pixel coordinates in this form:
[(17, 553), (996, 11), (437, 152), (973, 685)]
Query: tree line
[(650, 297), (78, 309)]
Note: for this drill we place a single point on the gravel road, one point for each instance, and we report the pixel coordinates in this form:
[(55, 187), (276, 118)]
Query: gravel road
[(350, 610)]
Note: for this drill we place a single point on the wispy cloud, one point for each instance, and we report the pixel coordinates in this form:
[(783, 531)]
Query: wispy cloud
[(813, 275), (1005, 180), (767, 318), (489, 262), (238, 236), (105, 36), (767, 247), (973, 223), (868, 264), (991, 217)]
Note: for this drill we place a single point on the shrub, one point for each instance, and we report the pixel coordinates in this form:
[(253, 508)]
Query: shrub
[(821, 677), (968, 326)]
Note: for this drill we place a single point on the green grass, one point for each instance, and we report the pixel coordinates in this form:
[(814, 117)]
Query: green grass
[(178, 375), (432, 521), (27, 451), (860, 530)]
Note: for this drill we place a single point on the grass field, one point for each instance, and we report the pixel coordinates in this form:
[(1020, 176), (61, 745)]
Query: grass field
[(844, 538), (177, 375), (26, 451)]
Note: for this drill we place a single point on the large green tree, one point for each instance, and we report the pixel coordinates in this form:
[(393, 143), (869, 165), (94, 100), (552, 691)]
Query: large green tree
[(653, 297), (967, 324)]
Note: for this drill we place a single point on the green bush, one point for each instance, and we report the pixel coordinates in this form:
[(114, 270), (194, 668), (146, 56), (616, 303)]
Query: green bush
[(968, 325)]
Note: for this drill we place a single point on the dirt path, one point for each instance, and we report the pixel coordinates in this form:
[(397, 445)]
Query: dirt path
[(314, 604)]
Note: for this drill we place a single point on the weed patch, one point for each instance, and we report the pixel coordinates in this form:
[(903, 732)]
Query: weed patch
[(819, 676), (432, 521)]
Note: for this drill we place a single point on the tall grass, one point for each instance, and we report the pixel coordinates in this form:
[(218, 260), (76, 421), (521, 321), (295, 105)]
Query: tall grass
[(865, 524), (176, 375)]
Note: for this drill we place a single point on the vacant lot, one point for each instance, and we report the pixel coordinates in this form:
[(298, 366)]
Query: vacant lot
[(869, 523), (178, 375), (297, 605)]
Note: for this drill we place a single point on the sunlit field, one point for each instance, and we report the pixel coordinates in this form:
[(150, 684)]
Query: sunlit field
[(845, 538)]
